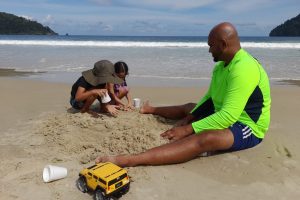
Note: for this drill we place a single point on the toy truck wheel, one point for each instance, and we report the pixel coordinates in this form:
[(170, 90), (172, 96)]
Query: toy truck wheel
[(99, 195), (81, 184), (126, 189)]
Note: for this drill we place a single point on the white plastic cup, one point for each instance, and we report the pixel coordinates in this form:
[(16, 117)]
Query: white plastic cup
[(106, 98), (137, 102), (52, 173)]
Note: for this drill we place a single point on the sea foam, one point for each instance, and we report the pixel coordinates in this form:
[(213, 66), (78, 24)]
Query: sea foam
[(143, 44)]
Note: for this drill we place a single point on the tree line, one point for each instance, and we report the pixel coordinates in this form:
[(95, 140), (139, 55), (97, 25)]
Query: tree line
[(13, 25)]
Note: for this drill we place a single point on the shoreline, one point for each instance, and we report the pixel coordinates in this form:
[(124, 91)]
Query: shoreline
[(69, 78), (11, 72), (290, 82)]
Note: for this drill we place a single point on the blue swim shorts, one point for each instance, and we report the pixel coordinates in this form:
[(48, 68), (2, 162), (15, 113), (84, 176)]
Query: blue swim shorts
[(243, 137), (76, 104)]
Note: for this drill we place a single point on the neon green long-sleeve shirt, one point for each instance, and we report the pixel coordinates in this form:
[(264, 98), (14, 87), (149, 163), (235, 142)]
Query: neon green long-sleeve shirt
[(240, 92)]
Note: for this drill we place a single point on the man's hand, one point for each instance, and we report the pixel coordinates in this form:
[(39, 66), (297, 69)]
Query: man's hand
[(177, 133)]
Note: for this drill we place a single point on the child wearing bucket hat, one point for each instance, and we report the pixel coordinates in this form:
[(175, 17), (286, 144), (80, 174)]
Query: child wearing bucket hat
[(92, 85)]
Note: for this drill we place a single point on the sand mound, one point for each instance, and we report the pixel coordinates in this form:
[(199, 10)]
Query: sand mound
[(84, 137)]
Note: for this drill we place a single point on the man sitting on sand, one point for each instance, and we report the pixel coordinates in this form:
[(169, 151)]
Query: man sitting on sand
[(92, 85), (233, 115)]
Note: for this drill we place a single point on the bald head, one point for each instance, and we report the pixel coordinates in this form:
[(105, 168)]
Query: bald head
[(224, 30), (225, 37)]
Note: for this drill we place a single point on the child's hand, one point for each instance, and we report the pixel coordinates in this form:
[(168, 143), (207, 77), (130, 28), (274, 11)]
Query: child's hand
[(112, 109), (129, 106), (100, 92)]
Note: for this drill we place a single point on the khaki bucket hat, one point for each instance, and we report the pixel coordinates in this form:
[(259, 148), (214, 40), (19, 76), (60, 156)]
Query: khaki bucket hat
[(103, 72)]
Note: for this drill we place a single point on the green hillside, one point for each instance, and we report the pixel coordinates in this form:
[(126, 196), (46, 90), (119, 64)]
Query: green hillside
[(289, 28), (13, 25)]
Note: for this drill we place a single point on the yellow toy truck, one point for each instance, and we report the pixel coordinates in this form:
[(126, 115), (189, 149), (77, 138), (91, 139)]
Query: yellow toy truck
[(105, 179)]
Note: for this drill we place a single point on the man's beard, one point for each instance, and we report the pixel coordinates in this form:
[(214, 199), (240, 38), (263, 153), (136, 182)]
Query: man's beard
[(216, 59)]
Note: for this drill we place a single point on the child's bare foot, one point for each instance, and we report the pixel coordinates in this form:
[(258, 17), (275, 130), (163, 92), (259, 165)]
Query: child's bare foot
[(93, 113), (146, 108)]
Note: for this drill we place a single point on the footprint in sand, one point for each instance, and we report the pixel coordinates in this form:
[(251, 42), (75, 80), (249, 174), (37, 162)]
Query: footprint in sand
[(282, 150)]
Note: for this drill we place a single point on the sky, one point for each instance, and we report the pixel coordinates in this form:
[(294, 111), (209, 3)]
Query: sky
[(154, 17)]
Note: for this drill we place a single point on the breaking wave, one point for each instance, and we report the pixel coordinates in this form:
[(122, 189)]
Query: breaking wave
[(274, 45)]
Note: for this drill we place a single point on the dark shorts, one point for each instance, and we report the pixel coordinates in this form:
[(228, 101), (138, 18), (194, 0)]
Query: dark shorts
[(76, 104), (243, 137)]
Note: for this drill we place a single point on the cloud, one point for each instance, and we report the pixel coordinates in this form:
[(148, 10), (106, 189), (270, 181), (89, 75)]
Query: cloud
[(158, 4), (245, 24), (99, 27), (155, 17), (172, 4), (237, 6), (200, 24), (27, 17), (107, 28), (84, 27), (147, 26), (48, 20), (102, 2)]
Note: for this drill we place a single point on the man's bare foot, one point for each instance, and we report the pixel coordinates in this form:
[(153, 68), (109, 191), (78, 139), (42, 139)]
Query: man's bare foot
[(102, 159), (117, 160), (146, 108)]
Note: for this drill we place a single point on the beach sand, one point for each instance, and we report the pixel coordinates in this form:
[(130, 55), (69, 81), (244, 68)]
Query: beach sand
[(38, 127)]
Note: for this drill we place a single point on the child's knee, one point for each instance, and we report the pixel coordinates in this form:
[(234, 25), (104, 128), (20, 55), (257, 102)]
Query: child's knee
[(123, 91)]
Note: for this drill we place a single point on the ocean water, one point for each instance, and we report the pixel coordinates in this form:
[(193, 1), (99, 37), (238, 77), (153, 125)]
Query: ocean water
[(152, 61)]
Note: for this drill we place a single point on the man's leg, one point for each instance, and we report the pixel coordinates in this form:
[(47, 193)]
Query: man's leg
[(180, 151), (171, 112)]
